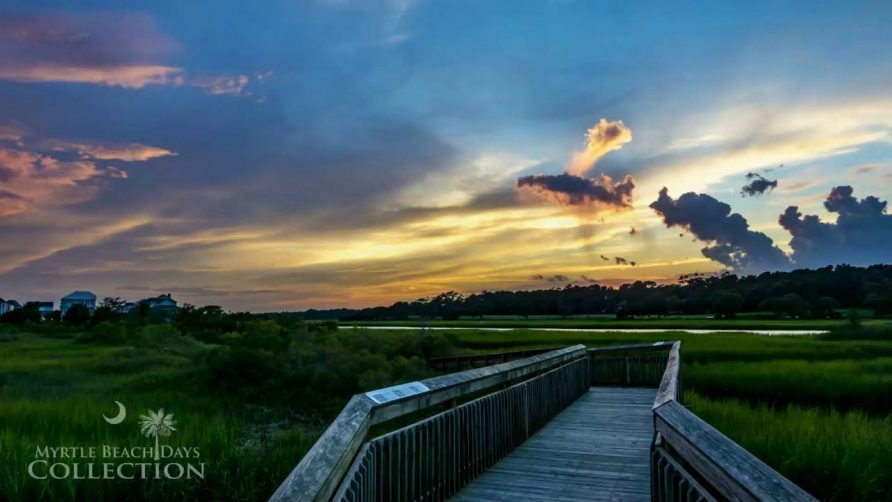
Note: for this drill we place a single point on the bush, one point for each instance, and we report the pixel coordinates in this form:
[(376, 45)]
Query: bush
[(105, 332)]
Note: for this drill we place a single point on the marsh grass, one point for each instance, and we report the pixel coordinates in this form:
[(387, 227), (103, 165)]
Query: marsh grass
[(55, 391), (817, 408), (834, 455)]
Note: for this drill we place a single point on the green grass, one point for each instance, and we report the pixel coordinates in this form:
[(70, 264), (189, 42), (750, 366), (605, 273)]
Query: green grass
[(54, 392), (832, 455), (817, 408)]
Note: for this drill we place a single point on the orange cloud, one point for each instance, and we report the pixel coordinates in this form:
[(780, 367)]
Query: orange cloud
[(33, 177), (604, 137), (128, 152), (131, 77)]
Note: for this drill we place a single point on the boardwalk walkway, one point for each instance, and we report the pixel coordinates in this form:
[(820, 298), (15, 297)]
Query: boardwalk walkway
[(596, 449)]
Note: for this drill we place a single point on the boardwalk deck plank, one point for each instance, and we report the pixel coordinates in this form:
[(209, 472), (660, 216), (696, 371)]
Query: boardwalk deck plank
[(596, 449)]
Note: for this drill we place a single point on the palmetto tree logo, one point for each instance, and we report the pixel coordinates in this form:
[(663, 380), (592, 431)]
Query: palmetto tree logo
[(156, 424)]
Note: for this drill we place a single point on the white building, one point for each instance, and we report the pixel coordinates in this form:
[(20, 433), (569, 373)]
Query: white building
[(85, 298), (8, 305)]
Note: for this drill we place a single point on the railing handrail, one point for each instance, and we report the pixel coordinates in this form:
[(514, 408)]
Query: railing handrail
[(668, 390), (734, 472), (731, 470), (317, 475)]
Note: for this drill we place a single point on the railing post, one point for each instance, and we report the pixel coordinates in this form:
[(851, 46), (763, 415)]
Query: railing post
[(628, 368)]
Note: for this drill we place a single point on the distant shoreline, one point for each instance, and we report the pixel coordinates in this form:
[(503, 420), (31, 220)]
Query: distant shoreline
[(764, 332)]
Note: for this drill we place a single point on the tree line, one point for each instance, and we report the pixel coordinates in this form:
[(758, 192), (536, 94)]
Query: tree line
[(805, 293)]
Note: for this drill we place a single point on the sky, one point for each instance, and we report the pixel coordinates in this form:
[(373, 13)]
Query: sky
[(283, 155)]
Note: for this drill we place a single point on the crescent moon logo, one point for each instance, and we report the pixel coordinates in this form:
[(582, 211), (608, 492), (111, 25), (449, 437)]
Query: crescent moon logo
[(122, 414)]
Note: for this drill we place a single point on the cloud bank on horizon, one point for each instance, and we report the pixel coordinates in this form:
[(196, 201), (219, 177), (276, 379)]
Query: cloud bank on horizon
[(348, 153)]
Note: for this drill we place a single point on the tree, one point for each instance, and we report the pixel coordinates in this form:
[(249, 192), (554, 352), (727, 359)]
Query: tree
[(111, 309), (29, 313), (880, 303), (727, 304), (76, 314), (790, 305), (825, 308)]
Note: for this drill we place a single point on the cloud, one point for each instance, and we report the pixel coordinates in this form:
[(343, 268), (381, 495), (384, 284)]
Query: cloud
[(551, 278), (43, 174), (603, 138), (733, 244), (862, 234), (119, 49), (112, 49), (570, 190), (31, 179), (132, 77), (127, 152), (868, 168), (757, 186), (229, 85)]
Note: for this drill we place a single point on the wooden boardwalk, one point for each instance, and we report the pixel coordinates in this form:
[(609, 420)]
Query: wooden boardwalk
[(596, 449)]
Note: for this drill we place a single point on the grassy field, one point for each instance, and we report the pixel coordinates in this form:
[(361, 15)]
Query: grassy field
[(817, 408), (55, 391)]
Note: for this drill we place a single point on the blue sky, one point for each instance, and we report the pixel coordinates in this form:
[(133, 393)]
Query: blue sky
[(341, 152)]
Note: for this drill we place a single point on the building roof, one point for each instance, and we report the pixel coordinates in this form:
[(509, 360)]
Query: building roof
[(13, 303), (159, 299), (80, 295)]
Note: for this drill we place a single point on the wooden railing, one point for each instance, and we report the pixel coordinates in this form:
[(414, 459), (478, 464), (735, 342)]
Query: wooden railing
[(433, 458), (640, 365), (320, 473)]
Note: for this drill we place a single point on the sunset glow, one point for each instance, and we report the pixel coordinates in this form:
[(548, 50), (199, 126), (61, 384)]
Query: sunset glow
[(335, 153)]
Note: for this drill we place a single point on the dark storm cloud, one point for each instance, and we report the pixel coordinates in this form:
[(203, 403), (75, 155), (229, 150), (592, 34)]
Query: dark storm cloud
[(757, 186), (733, 243), (862, 234), (570, 190)]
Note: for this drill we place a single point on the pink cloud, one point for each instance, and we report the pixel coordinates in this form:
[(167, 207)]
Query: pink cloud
[(113, 49), (34, 176), (127, 152)]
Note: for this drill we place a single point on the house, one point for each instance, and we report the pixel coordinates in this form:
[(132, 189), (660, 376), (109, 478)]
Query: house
[(45, 308), (161, 302), (8, 305), (85, 298)]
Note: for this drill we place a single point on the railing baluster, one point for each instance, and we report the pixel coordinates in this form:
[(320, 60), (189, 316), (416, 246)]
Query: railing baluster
[(434, 458)]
